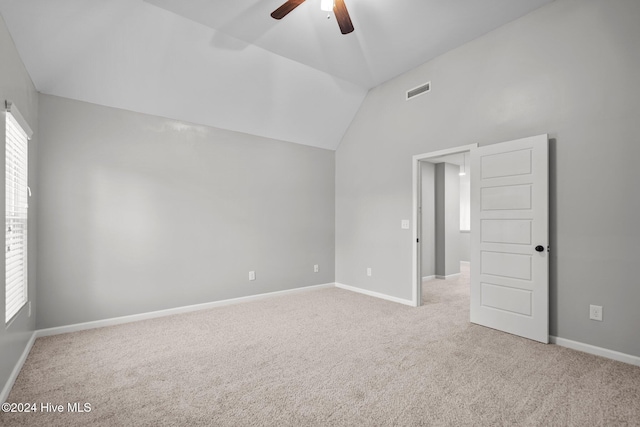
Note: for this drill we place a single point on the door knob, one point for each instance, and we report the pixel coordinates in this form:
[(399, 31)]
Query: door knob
[(539, 248)]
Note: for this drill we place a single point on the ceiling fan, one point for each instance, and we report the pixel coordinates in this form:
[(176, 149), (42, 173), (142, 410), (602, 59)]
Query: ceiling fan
[(338, 7)]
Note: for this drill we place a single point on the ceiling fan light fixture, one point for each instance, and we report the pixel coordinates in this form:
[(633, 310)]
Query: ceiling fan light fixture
[(337, 6), (326, 5)]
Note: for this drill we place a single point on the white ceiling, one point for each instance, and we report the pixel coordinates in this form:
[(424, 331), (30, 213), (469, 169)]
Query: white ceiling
[(228, 64)]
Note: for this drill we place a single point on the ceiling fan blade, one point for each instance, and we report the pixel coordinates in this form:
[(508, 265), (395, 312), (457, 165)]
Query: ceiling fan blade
[(284, 10), (342, 16)]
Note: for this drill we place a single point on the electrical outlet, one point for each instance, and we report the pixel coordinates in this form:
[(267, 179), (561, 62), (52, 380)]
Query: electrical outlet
[(595, 312), (404, 224), (315, 268), (369, 271), (252, 275)]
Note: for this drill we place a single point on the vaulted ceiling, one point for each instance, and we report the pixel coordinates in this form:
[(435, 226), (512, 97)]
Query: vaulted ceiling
[(228, 64)]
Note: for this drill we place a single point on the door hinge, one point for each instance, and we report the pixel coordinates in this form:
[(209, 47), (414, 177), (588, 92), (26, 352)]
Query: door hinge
[(418, 240)]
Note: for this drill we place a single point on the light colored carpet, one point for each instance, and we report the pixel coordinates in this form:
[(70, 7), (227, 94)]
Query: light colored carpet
[(327, 357)]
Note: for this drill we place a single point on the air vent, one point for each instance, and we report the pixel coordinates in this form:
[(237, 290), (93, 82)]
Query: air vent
[(423, 88)]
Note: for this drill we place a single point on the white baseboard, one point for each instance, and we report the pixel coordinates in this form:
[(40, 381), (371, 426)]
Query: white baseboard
[(598, 351), (16, 369), (375, 294), (170, 311), (424, 278), (450, 276)]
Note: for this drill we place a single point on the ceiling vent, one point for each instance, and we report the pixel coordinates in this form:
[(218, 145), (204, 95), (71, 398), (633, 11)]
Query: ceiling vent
[(416, 91)]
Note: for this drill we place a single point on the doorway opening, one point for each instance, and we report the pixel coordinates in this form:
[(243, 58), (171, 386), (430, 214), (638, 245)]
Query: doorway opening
[(440, 216)]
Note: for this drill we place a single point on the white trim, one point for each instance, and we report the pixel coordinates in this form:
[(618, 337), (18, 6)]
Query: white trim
[(465, 262), (450, 276), (445, 152), (415, 267), (425, 278), (16, 369), (374, 294), (171, 311), (598, 351)]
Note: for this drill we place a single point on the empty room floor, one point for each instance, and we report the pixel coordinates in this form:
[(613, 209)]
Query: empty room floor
[(323, 357)]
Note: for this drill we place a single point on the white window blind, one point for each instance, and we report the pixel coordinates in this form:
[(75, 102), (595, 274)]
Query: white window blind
[(16, 173)]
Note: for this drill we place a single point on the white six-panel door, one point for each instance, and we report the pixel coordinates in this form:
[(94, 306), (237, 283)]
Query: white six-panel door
[(509, 237)]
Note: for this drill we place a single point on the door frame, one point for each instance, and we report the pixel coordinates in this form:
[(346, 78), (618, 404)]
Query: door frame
[(416, 272)]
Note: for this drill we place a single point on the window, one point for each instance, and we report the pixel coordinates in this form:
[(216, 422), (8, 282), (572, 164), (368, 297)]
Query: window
[(17, 133)]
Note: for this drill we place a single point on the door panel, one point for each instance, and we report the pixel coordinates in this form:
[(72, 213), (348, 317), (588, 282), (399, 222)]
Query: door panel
[(507, 197), (513, 231), (509, 265), (506, 164), (506, 298), (509, 218)]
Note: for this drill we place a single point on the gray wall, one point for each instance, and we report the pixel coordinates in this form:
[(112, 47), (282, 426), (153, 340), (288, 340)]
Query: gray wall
[(429, 247), (465, 198), (447, 219), (452, 219), (465, 246), (441, 235), (428, 238), (568, 69), (141, 213), (16, 86), (465, 203)]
